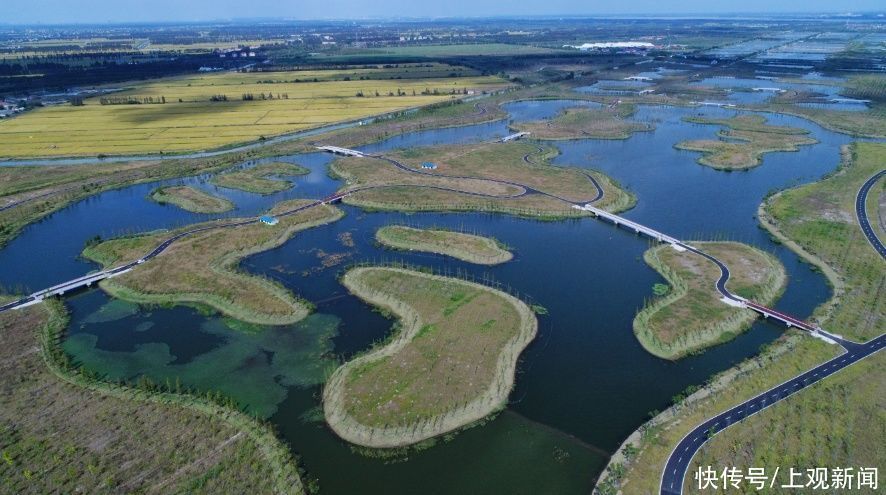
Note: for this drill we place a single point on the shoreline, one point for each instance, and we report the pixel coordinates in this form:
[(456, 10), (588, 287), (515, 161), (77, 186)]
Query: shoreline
[(734, 322), (387, 237), (493, 398)]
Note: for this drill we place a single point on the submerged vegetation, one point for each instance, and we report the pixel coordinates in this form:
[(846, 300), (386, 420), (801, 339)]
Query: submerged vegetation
[(466, 247), (62, 429), (451, 362), (743, 145), (191, 199), (201, 268), (688, 314)]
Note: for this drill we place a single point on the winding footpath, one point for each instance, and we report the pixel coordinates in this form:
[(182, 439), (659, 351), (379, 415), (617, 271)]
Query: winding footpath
[(91, 278), (678, 462), (674, 472)]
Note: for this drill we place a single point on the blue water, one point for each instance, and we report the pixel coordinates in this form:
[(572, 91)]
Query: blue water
[(584, 383)]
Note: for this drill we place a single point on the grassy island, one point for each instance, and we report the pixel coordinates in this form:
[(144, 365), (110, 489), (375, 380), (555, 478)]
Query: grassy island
[(466, 247), (585, 123), (451, 363), (260, 178), (64, 431), (692, 316), (191, 199), (202, 268), (446, 189), (748, 137), (829, 423)]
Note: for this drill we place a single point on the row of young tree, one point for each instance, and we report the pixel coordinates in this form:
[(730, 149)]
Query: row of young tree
[(124, 100), (424, 92)]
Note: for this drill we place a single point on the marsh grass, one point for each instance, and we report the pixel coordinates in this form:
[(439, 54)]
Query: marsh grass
[(466, 247), (451, 363), (744, 143), (191, 199), (690, 316), (587, 123), (261, 179), (202, 268)]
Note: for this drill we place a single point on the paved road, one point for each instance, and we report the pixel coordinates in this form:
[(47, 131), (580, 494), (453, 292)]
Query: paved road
[(862, 213), (679, 460), (674, 472)]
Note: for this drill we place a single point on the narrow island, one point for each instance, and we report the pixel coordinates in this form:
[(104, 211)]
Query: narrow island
[(451, 363), (202, 267), (586, 123), (690, 315), (488, 177), (191, 199), (466, 247), (260, 179), (745, 142)]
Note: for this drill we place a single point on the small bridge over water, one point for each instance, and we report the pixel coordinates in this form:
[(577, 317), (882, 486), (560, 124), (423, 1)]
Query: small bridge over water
[(636, 227), (514, 137), (341, 151), (728, 297)]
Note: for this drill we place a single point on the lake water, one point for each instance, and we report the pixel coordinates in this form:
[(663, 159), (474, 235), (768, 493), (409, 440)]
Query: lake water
[(582, 386)]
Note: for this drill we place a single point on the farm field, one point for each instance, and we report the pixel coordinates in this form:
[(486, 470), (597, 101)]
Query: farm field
[(201, 112), (448, 50)]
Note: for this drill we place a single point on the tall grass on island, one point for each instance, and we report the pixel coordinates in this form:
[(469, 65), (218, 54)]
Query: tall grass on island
[(450, 362)]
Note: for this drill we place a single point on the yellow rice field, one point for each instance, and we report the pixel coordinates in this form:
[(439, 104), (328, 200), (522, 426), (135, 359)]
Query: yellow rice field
[(190, 121)]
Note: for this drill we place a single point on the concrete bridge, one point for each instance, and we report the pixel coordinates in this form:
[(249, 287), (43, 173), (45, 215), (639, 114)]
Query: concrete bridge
[(636, 227), (514, 137), (728, 297), (70, 285), (341, 151)]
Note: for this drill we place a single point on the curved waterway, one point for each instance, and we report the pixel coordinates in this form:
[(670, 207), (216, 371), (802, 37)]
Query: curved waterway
[(582, 386)]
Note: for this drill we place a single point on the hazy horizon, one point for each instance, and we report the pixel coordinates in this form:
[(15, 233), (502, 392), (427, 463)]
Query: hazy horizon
[(50, 12)]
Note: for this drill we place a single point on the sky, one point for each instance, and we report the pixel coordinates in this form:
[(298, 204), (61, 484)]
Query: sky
[(101, 11)]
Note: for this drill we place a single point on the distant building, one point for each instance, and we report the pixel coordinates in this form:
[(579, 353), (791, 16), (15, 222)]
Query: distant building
[(268, 220), (429, 166)]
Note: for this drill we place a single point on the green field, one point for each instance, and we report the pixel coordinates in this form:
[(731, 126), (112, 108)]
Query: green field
[(820, 219), (451, 363), (178, 114)]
